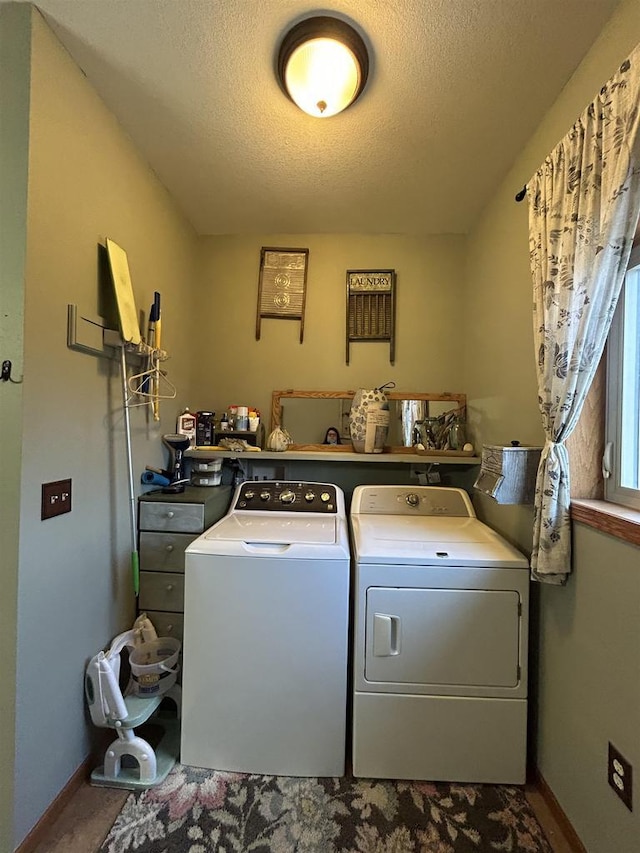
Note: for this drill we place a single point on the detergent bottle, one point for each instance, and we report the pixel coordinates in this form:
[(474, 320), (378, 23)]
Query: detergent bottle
[(186, 425)]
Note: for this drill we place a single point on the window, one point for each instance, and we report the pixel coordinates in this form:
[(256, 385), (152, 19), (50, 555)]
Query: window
[(621, 464)]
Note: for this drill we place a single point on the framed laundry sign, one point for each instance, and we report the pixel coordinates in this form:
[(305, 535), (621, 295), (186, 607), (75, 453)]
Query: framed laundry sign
[(282, 285), (371, 307)]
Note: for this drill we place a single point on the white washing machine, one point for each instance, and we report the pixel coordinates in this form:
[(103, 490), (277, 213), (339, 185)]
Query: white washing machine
[(266, 614), (440, 644)]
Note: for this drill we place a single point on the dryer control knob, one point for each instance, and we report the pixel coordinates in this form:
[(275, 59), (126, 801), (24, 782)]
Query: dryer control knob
[(309, 496), (265, 495), (412, 499), (249, 495), (287, 496), (325, 497)]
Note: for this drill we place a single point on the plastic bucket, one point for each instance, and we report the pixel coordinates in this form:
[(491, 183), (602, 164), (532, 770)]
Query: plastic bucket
[(154, 666), (206, 466)]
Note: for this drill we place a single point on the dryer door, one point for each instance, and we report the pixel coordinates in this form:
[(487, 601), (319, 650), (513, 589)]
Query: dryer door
[(461, 637)]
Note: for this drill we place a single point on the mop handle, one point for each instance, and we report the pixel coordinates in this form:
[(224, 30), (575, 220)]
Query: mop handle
[(135, 566)]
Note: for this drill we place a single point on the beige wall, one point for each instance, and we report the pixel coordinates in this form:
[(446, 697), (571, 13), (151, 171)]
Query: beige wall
[(232, 367), (589, 631), (14, 135), (589, 688), (86, 182)]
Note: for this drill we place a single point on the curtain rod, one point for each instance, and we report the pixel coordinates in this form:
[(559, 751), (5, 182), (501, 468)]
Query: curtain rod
[(522, 193)]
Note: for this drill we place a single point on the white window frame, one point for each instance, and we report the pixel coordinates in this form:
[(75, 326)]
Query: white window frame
[(615, 445)]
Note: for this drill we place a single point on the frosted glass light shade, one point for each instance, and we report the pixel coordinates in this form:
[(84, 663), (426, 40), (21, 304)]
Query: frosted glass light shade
[(322, 77), (323, 66)]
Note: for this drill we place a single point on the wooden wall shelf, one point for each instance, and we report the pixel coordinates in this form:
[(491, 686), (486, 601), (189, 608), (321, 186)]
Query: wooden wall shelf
[(339, 457)]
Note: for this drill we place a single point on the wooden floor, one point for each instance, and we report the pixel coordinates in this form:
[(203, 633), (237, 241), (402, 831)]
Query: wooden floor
[(84, 823), (555, 836)]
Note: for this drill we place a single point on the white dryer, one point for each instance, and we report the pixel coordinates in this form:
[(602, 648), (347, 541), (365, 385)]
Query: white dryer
[(440, 643), (266, 614)]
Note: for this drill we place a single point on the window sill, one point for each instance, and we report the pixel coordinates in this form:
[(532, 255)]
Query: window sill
[(616, 520)]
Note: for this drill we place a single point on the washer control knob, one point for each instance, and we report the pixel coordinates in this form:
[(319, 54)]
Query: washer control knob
[(325, 497), (309, 496), (413, 499), (265, 495), (249, 495), (287, 496)]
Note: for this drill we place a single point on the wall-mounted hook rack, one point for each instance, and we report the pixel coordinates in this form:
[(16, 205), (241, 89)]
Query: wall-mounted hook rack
[(85, 333), (90, 334)]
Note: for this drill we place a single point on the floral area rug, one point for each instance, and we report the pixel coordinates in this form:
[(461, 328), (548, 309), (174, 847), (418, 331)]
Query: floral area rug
[(204, 811)]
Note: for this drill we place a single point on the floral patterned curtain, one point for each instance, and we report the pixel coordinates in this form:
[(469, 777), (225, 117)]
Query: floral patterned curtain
[(583, 211)]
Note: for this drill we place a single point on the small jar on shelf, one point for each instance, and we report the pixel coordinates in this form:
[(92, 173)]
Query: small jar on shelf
[(457, 433), (427, 431)]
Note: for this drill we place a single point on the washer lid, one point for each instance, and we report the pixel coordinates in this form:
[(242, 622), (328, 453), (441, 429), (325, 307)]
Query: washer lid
[(256, 527), (425, 541)]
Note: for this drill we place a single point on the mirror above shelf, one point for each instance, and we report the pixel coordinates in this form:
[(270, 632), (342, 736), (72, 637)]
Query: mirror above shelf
[(307, 415)]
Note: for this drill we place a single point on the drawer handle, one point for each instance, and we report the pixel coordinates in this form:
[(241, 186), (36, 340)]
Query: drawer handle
[(169, 629), (170, 514), (169, 587), (169, 548)]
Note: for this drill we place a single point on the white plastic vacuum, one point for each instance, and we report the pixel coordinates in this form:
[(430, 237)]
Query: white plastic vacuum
[(130, 761)]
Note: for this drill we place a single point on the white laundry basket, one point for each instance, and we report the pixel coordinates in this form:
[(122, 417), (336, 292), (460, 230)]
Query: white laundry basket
[(154, 666)]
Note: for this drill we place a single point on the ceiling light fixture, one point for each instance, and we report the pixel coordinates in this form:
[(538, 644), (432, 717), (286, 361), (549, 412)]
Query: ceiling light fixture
[(323, 65)]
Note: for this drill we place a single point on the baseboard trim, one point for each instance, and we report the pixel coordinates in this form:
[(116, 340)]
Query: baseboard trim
[(49, 817), (557, 813)]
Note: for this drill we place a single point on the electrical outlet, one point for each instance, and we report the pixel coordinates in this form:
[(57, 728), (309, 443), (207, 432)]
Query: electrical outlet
[(56, 498), (620, 776)]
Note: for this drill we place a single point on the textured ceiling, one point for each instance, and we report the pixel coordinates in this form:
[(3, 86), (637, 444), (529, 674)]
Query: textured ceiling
[(456, 88)]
